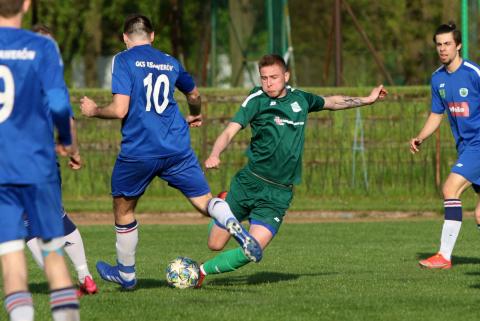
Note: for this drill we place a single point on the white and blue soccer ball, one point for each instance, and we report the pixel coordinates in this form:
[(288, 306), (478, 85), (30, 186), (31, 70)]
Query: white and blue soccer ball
[(182, 273)]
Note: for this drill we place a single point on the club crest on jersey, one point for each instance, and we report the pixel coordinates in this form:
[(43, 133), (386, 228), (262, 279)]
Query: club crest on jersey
[(463, 92), (459, 109), (442, 93), (295, 107)]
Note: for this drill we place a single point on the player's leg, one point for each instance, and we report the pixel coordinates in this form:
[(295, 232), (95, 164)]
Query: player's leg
[(76, 252), (186, 175), (130, 178), (126, 228), (17, 299), (265, 221), (46, 223), (452, 189), (476, 188)]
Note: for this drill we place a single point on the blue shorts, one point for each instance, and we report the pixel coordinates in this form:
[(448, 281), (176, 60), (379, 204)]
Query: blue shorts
[(468, 165), (41, 204), (131, 177)]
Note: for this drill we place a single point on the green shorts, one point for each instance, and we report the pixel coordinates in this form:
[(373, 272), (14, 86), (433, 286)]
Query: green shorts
[(263, 203)]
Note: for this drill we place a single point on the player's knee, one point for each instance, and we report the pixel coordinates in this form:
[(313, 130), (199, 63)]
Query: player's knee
[(11, 246), (215, 245), (52, 245)]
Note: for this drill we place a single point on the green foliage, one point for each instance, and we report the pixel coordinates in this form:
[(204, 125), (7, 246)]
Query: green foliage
[(331, 271)]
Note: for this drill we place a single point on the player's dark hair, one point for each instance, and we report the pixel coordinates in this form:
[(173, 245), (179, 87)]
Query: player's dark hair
[(10, 8), (447, 28), (272, 59), (137, 24), (42, 29)]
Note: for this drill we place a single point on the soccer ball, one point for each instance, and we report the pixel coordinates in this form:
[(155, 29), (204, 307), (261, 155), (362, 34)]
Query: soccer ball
[(182, 273)]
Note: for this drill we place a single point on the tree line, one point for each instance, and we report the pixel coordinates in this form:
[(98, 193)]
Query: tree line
[(400, 31)]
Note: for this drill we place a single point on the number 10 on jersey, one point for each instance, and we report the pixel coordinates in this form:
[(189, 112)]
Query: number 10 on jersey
[(159, 105)]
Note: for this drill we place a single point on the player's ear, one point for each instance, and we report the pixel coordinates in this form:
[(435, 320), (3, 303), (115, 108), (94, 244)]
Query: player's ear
[(125, 39), (287, 76), (459, 46), (152, 36), (26, 6)]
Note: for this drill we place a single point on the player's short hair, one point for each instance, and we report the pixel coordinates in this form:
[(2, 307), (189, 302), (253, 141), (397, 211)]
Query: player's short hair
[(10, 8), (42, 29), (447, 28), (137, 25), (272, 59)]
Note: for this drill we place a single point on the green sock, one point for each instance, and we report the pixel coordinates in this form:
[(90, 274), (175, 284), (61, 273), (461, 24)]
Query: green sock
[(226, 262)]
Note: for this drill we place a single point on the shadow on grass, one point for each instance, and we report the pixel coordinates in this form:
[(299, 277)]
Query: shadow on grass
[(262, 278), (457, 260), (39, 288)]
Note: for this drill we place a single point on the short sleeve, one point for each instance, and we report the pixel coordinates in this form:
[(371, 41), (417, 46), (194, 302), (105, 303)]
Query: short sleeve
[(437, 105), (121, 80), (315, 102), (184, 82), (248, 110)]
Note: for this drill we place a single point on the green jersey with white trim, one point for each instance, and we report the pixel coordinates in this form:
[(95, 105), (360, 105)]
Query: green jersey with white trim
[(278, 132)]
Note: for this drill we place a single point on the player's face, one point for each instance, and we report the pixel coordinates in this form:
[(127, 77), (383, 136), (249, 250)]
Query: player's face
[(274, 79), (446, 48)]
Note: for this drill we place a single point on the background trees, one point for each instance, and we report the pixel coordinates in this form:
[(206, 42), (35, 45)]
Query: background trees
[(399, 30)]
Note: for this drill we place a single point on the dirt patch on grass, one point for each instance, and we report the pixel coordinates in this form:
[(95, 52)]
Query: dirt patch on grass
[(291, 217)]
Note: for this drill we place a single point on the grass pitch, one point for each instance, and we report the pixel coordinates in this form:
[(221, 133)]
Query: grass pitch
[(324, 271)]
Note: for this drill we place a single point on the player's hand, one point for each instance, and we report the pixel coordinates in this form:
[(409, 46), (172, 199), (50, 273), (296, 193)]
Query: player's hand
[(377, 93), (88, 107), (60, 150), (212, 162), (75, 161), (194, 121), (415, 145)]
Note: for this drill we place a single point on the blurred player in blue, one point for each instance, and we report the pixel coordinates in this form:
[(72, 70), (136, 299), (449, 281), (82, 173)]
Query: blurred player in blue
[(456, 90), (31, 72), (73, 239), (156, 142)]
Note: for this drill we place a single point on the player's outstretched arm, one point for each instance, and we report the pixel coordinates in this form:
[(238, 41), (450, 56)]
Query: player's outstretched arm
[(194, 101), (213, 161), (346, 102), (117, 109), (433, 122)]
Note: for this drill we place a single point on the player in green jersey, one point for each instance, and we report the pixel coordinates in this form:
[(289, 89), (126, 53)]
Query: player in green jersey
[(262, 191)]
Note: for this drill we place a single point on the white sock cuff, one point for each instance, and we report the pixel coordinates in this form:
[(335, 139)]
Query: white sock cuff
[(52, 245)]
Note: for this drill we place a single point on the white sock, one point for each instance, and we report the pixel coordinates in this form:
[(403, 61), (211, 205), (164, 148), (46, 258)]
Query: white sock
[(22, 313), (219, 210), (450, 232), (127, 240), (66, 315), (19, 306), (36, 252), (76, 252)]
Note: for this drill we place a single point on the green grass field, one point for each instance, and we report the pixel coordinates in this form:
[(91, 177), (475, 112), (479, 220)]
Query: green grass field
[(324, 271)]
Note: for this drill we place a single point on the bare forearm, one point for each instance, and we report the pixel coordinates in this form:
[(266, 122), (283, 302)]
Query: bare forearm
[(194, 101), (432, 123), (345, 102), (108, 112), (195, 105), (221, 144)]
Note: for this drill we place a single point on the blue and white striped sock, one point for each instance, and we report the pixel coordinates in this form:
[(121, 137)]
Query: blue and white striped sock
[(64, 304), (451, 226), (19, 306), (127, 240)]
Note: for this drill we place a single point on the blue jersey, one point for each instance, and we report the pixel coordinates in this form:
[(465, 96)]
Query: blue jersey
[(459, 94), (32, 99), (153, 126)]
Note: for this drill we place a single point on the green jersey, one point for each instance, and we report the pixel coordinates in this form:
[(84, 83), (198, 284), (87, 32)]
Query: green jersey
[(278, 132)]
